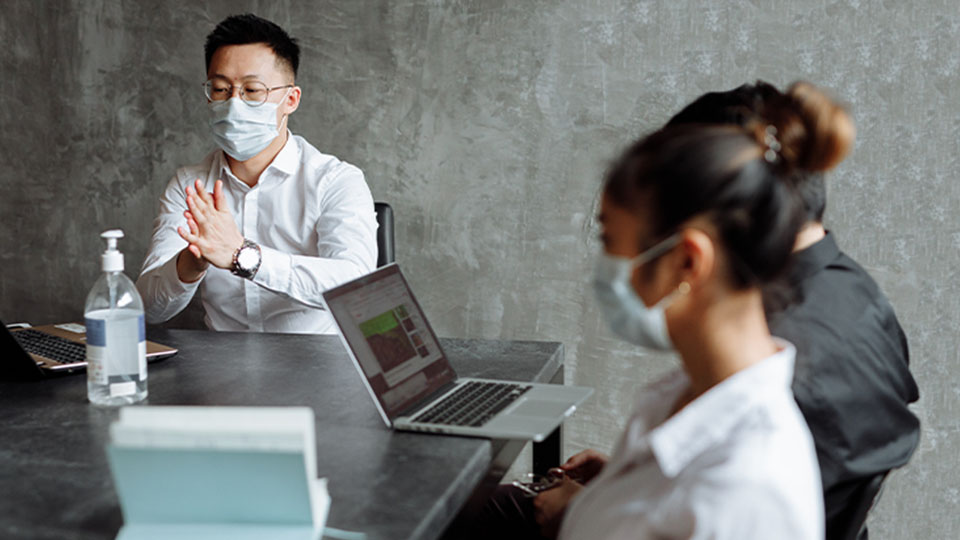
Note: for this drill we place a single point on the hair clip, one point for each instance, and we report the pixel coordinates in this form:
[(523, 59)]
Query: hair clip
[(773, 145)]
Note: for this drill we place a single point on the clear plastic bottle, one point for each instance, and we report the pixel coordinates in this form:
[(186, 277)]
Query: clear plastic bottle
[(116, 340)]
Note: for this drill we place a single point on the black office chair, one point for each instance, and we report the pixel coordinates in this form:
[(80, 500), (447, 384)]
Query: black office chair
[(384, 233), (851, 523)]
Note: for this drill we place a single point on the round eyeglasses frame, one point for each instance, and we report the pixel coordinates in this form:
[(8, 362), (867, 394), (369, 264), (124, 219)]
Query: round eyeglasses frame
[(208, 91)]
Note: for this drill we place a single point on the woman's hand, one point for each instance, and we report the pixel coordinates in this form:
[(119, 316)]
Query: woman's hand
[(550, 505), (585, 466)]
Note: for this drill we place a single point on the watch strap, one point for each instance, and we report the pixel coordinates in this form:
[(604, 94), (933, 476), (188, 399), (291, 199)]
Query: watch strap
[(237, 269)]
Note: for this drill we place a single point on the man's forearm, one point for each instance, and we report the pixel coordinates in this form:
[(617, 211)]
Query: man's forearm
[(304, 278), (164, 293), (189, 268)]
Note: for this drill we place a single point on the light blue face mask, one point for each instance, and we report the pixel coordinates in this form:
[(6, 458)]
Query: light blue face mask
[(626, 314), (242, 130)]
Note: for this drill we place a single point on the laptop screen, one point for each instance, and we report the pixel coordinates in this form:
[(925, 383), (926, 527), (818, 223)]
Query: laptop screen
[(389, 336)]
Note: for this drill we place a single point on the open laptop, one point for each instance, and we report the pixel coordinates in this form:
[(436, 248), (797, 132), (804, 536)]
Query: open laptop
[(43, 351), (413, 384)]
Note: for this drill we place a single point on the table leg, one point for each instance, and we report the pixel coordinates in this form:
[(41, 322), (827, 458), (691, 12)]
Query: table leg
[(549, 453)]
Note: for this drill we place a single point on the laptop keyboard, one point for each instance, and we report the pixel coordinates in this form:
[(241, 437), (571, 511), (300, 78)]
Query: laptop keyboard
[(49, 346), (473, 403)]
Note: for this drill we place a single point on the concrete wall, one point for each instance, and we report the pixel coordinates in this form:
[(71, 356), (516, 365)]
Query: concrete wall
[(487, 124)]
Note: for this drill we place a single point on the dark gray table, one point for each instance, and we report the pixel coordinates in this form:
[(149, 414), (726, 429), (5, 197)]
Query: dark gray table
[(55, 482)]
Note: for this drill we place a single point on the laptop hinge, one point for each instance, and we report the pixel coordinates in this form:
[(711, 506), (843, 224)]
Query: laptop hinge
[(429, 399)]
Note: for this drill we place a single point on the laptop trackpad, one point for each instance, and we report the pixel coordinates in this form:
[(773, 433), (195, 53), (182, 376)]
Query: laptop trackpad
[(548, 409)]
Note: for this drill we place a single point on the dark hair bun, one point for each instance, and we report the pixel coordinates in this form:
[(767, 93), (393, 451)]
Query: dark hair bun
[(815, 133)]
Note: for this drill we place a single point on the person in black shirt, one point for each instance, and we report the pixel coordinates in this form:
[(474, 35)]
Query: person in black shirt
[(852, 380)]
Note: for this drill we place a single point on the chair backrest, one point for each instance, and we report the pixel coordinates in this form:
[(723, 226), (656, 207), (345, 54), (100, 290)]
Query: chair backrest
[(385, 254), (851, 523)]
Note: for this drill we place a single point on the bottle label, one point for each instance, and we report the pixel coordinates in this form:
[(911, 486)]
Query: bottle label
[(116, 347), (96, 350), (142, 349), (123, 389)]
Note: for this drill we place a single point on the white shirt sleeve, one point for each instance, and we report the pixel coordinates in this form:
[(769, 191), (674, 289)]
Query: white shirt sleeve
[(164, 295), (347, 244)]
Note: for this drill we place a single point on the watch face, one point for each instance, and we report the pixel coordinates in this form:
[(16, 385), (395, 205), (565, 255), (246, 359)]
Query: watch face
[(248, 258)]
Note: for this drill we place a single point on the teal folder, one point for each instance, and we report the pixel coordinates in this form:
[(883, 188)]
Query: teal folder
[(211, 493)]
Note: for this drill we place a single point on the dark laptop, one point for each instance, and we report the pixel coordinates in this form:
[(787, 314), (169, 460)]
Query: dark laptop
[(56, 349)]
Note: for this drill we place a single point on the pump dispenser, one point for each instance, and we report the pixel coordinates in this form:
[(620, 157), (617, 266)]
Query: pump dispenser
[(116, 337), (112, 260)]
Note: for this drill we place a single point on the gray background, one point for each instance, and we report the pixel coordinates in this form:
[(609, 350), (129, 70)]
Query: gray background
[(487, 124)]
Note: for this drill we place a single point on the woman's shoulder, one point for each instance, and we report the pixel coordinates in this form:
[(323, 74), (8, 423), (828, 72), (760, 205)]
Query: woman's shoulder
[(766, 474), (770, 449)]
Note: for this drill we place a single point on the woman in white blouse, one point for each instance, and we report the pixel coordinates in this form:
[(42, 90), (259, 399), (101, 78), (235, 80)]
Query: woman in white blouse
[(696, 220)]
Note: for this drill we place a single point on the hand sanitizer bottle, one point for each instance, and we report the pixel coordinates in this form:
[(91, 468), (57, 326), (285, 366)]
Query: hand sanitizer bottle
[(116, 340)]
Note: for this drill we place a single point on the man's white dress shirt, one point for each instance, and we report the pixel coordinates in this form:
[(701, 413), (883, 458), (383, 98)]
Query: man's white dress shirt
[(312, 216), (737, 463)]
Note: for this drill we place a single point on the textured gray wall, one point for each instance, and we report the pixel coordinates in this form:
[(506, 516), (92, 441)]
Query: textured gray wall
[(487, 124)]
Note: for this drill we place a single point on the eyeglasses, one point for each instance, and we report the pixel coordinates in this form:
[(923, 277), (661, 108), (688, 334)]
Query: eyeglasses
[(253, 93)]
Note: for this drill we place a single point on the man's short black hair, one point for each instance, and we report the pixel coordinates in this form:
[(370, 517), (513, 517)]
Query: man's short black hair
[(248, 28), (739, 106)]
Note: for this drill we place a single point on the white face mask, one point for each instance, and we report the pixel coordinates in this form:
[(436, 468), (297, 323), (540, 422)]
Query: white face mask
[(629, 318), (241, 130)]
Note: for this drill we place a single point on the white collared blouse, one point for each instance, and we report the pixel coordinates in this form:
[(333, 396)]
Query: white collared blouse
[(312, 216), (737, 463)]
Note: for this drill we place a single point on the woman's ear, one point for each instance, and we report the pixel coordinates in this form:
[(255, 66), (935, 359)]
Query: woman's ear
[(698, 257)]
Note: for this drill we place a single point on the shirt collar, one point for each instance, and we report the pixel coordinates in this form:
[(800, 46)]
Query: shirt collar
[(709, 419), (814, 258), (286, 161)]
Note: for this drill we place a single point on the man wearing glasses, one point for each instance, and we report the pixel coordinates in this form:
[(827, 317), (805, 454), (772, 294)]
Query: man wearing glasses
[(266, 223)]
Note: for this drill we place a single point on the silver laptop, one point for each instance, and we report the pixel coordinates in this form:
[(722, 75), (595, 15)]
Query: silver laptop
[(54, 349), (413, 384)]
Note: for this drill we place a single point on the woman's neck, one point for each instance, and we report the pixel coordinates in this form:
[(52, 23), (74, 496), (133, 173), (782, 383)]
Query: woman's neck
[(811, 233), (725, 338)]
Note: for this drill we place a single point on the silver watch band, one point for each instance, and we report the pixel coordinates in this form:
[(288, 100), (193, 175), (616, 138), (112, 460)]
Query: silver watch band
[(239, 269)]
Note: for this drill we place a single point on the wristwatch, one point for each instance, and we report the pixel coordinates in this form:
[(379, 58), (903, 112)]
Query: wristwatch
[(246, 260)]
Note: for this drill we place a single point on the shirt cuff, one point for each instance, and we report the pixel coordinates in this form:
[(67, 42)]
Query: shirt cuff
[(275, 269)]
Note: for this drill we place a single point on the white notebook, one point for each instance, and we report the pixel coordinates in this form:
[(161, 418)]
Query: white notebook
[(217, 472)]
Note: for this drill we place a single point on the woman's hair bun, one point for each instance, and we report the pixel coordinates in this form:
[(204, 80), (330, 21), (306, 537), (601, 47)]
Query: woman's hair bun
[(815, 133)]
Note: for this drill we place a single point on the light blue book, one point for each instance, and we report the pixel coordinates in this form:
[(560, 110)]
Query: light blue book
[(217, 472)]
